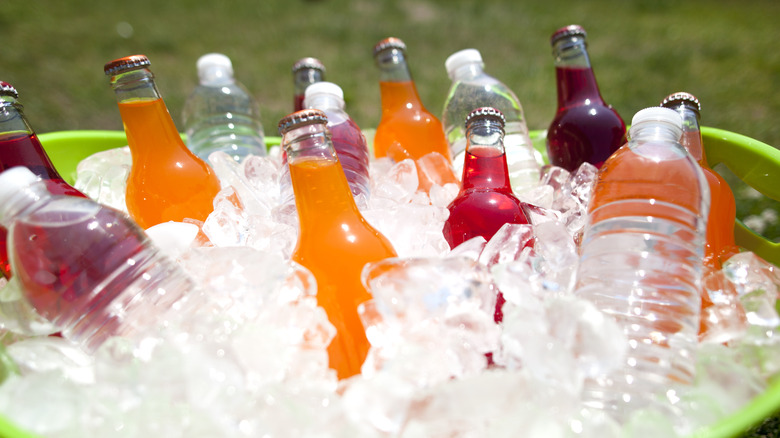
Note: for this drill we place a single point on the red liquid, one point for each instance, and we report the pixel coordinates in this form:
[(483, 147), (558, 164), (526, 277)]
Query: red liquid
[(585, 128), (350, 145), (63, 256), (298, 102), (26, 150), (485, 202)]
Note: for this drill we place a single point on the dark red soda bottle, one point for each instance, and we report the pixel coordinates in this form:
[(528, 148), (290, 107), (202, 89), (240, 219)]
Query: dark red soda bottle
[(19, 146), (306, 71), (585, 128)]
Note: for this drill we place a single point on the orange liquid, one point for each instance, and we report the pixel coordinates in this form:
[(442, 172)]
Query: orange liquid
[(167, 182), (335, 243), (408, 130)]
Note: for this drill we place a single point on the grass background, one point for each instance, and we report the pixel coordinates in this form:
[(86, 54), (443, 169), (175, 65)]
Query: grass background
[(722, 51), (725, 52)]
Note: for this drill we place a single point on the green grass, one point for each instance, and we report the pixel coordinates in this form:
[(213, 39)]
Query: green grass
[(722, 51)]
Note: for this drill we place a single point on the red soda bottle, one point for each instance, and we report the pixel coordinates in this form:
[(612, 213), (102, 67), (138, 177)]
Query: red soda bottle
[(19, 146), (485, 201), (584, 128)]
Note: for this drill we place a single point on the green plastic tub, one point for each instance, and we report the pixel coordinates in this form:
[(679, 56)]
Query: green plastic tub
[(755, 163)]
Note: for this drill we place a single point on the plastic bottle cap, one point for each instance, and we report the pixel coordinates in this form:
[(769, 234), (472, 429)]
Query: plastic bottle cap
[(461, 58), (658, 114), (682, 98), (567, 31), (7, 89), (319, 88), (214, 68), (486, 112), (301, 118), (13, 180), (390, 42), (127, 63), (312, 63)]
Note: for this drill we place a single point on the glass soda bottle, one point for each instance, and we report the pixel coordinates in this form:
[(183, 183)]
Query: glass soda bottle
[(167, 182), (347, 138), (473, 88), (19, 146), (641, 261), (305, 71), (407, 129), (220, 114), (585, 128), (334, 240), (723, 211), (83, 266), (485, 201)]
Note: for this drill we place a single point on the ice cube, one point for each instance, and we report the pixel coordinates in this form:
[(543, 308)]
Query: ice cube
[(103, 176)]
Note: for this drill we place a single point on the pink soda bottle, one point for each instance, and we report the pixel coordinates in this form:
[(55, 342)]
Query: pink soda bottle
[(585, 128), (85, 267), (19, 146), (347, 138)]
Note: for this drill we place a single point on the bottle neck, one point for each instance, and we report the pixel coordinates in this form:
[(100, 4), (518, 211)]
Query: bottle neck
[(691, 133), (654, 131), (485, 164), (325, 102), (134, 85), (575, 80), (467, 71), (392, 65), (305, 77), (12, 119)]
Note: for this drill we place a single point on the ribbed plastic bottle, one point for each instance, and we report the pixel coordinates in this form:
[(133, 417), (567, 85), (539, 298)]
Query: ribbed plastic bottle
[(305, 72), (585, 128), (334, 242), (641, 262), (347, 138), (473, 88), (19, 146), (723, 210), (221, 114), (167, 182), (407, 129), (87, 268)]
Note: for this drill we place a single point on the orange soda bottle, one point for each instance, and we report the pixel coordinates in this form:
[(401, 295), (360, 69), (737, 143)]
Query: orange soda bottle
[(407, 129), (723, 210), (335, 242), (167, 182)]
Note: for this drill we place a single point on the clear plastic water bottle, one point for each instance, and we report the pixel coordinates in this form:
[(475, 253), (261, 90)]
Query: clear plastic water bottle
[(347, 138), (473, 88), (642, 260), (85, 267), (220, 114)]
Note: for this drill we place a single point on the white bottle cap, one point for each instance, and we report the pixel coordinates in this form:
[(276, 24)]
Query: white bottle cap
[(658, 114), (14, 180), (214, 69), (461, 58), (322, 88)]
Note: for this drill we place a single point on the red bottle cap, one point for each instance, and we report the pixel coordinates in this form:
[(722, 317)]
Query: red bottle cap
[(312, 63), (568, 31), (301, 118), (387, 43), (127, 63), (7, 89), (682, 98)]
